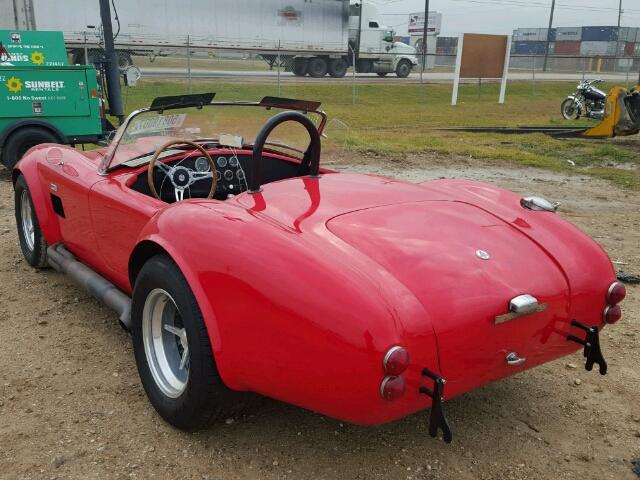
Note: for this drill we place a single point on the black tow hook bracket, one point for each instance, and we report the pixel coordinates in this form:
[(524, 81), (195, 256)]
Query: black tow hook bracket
[(437, 419), (591, 343)]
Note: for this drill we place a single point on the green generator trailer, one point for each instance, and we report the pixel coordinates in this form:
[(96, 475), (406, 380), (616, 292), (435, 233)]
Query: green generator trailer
[(42, 98)]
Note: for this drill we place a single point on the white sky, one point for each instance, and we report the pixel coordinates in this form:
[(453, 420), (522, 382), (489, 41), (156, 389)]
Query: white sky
[(502, 16)]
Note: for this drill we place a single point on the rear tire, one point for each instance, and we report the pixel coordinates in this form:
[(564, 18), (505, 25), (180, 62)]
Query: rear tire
[(317, 67), (570, 109), (403, 69), (167, 326), (20, 141), (338, 68), (300, 67), (32, 242)]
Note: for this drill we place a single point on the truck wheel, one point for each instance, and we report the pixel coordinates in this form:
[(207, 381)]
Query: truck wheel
[(403, 69), (124, 60), (32, 242), (317, 67), (300, 66), (20, 141), (172, 350), (337, 68)]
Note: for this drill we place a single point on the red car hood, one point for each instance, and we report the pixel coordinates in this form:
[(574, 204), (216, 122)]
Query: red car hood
[(438, 250)]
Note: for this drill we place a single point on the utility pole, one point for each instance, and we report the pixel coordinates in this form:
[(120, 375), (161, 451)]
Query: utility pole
[(618, 34), (424, 40), (116, 108), (546, 52)]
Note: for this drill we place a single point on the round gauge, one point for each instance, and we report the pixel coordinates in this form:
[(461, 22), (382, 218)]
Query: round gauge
[(218, 176), (228, 175), (222, 162), (202, 164), (233, 162), (240, 175)]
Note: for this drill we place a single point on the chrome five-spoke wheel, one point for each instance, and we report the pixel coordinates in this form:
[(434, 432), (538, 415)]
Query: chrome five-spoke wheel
[(165, 343)]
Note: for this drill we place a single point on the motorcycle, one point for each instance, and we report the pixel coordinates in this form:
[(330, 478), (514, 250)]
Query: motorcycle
[(587, 101)]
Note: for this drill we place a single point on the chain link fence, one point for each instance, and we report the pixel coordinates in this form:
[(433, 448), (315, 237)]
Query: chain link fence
[(275, 70)]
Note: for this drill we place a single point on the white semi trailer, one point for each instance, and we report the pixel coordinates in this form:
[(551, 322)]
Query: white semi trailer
[(314, 37)]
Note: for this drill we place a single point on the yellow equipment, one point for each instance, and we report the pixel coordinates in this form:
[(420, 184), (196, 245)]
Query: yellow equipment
[(621, 114)]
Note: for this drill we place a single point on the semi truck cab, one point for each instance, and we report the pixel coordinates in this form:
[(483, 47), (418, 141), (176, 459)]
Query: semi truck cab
[(373, 42)]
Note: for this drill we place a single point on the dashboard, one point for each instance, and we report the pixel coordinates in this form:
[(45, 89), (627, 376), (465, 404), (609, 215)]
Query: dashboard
[(231, 171)]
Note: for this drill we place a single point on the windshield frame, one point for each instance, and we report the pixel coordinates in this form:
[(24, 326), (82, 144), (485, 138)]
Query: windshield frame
[(105, 165)]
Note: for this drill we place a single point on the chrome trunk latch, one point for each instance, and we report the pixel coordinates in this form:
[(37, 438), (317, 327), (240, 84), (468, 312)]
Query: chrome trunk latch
[(520, 306), (539, 204), (591, 343), (437, 420)]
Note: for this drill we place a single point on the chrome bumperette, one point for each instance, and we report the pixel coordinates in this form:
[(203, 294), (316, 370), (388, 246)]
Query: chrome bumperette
[(539, 204), (521, 306)]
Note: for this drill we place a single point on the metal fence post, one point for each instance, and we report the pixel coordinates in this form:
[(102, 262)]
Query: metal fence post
[(353, 94), (533, 73), (189, 64), (278, 67)]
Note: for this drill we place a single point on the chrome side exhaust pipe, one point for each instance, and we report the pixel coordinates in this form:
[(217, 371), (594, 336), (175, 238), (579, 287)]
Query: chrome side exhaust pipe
[(63, 261)]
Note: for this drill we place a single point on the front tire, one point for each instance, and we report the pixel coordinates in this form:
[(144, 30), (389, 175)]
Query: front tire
[(570, 109), (403, 69), (32, 242), (173, 352)]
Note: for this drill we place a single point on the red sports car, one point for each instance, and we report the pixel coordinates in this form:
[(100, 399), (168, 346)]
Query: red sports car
[(241, 266)]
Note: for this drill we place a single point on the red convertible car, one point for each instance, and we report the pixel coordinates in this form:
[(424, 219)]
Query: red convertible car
[(242, 266)]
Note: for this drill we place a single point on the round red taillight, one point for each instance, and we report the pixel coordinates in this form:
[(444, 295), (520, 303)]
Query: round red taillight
[(392, 388), (616, 293), (396, 361), (612, 314)]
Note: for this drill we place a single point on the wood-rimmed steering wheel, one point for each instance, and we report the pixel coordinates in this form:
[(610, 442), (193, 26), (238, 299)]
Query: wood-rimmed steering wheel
[(181, 177)]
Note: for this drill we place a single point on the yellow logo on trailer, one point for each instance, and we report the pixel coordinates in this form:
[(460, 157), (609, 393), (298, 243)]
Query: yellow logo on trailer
[(14, 85), (37, 58)]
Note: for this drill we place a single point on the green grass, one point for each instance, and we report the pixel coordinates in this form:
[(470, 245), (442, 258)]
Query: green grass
[(398, 121)]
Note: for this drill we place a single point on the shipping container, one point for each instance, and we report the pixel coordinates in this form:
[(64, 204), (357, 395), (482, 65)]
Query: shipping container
[(599, 48), (530, 48), (599, 34), (567, 47), (567, 34), (629, 34), (533, 35)]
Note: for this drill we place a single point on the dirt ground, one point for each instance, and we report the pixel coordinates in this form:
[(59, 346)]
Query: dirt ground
[(71, 405)]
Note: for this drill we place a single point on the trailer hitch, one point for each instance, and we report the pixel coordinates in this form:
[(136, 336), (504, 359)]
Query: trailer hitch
[(591, 343), (437, 420)]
